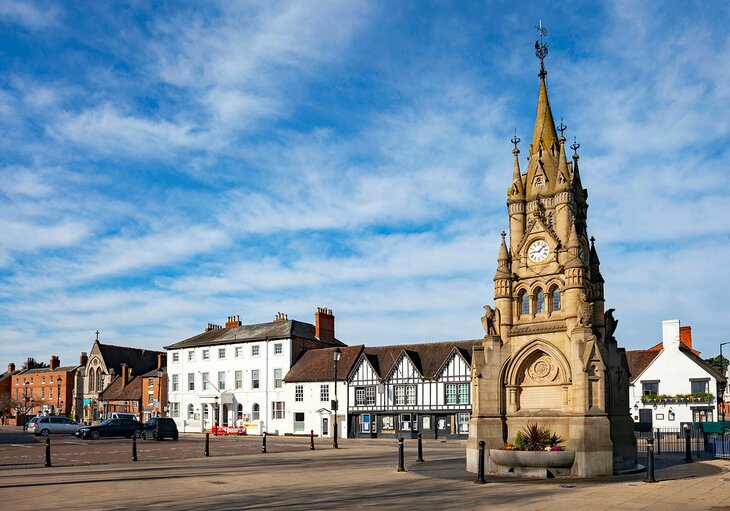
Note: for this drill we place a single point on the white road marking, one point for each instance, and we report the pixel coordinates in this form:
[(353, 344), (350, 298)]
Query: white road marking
[(21, 445)]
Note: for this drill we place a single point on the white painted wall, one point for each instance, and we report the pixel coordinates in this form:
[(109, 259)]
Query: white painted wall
[(314, 409), (674, 372), (265, 362)]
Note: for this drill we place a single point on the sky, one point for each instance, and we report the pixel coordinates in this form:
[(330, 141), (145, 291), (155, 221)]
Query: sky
[(168, 164)]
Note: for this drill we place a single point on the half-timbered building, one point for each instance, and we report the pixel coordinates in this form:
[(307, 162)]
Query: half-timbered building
[(409, 389)]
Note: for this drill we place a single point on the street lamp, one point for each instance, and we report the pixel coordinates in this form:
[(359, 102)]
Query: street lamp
[(723, 386), (159, 389), (25, 403), (336, 357), (58, 395)]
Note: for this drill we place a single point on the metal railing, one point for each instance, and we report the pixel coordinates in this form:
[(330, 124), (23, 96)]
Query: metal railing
[(670, 440)]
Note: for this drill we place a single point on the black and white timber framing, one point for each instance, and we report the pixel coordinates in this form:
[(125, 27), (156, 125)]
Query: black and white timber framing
[(405, 390)]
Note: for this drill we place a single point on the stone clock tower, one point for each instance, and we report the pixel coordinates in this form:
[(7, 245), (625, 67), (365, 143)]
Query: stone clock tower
[(549, 355)]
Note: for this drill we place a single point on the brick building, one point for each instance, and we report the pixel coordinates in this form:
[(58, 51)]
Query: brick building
[(44, 389), (6, 401)]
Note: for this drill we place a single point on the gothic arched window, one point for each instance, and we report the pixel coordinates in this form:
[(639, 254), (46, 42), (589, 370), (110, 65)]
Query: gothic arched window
[(556, 299), (524, 303), (255, 412), (92, 379), (539, 301), (240, 412)]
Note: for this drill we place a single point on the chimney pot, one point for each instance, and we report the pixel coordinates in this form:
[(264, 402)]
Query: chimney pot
[(55, 362), (233, 321), (83, 359), (11, 367)]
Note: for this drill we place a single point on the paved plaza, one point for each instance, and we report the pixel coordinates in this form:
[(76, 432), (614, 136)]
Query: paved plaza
[(360, 475)]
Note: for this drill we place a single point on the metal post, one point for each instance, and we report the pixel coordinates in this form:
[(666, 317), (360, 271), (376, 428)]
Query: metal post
[(337, 405), (658, 441), (48, 453), (687, 445), (311, 439), (206, 452), (650, 461), (263, 444), (723, 386), (134, 448), (480, 464), (401, 461), (420, 448)]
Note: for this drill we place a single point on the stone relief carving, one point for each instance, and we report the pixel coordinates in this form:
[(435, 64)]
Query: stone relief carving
[(490, 321), (585, 311), (542, 370)]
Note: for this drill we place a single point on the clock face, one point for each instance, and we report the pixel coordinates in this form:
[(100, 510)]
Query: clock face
[(538, 251)]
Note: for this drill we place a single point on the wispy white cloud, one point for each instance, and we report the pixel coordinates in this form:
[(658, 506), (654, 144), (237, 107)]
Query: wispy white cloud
[(28, 14)]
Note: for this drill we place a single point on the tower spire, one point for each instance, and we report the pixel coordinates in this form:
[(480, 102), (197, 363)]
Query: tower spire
[(517, 191)]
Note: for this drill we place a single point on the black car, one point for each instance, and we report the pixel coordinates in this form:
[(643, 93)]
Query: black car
[(112, 427), (160, 427)]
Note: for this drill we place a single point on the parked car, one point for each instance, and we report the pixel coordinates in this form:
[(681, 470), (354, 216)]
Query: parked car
[(158, 428), (32, 421), (111, 427), (123, 415), (52, 425)]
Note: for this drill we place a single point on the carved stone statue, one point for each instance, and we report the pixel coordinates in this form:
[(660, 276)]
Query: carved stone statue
[(490, 321), (611, 323), (585, 311)]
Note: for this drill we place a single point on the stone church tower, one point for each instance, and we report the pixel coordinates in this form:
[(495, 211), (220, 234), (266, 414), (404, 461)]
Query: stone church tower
[(549, 355)]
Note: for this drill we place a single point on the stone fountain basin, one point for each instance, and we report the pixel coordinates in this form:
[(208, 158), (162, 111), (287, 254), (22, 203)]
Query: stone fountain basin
[(538, 459)]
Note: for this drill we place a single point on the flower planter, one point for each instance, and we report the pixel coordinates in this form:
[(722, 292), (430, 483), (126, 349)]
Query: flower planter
[(536, 464)]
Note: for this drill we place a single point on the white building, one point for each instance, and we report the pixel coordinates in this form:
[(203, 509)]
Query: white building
[(407, 389), (310, 395), (235, 375), (670, 384)]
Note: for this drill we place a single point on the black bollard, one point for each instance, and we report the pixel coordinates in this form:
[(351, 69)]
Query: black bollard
[(206, 452), (687, 445), (134, 448), (311, 439), (263, 444), (48, 453), (480, 464), (401, 461), (650, 461), (420, 449)]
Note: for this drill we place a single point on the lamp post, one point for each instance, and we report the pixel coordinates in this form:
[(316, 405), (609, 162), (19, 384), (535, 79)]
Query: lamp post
[(336, 357), (723, 386), (215, 414), (159, 390), (58, 395), (25, 402)]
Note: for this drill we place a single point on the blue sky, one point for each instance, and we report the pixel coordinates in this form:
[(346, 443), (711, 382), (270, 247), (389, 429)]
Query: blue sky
[(167, 166)]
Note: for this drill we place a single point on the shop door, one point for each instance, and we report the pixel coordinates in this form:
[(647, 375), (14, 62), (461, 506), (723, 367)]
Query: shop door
[(325, 426), (443, 426)]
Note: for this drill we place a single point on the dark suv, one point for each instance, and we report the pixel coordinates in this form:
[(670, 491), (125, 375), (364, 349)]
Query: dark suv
[(159, 428)]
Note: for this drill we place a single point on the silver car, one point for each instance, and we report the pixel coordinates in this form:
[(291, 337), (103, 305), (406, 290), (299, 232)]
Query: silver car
[(53, 425)]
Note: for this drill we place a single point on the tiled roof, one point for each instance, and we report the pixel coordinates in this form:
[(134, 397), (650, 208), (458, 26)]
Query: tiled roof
[(8, 374), (247, 333), (429, 358), (639, 360), (318, 365), (116, 392), (40, 370), (139, 359)]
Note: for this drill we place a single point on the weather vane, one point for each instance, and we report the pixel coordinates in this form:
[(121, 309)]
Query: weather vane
[(515, 141), (575, 146), (541, 49), (562, 128)]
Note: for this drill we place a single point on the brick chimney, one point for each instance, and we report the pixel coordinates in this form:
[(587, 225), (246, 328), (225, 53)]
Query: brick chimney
[(28, 362), (83, 359), (233, 321), (324, 322), (126, 375), (685, 335), (162, 360), (11, 367), (55, 362)]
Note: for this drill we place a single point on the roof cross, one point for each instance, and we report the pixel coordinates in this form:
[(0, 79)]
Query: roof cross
[(97, 335), (515, 141), (575, 146), (562, 128)]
